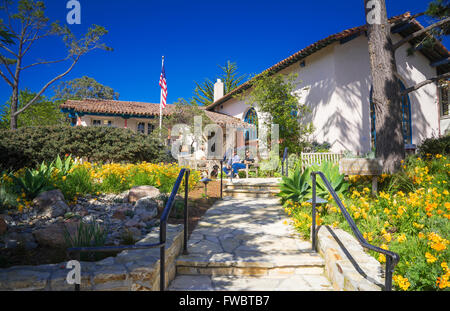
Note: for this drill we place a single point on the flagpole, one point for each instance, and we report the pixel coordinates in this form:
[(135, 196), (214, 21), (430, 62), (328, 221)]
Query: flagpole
[(160, 104)]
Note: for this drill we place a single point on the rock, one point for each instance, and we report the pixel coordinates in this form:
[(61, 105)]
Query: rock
[(21, 237), (131, 223), (54, 234), (51, 204), (119, 214), (123, 197), (146, 216), (139, 192), (146, 206), (3, 226)]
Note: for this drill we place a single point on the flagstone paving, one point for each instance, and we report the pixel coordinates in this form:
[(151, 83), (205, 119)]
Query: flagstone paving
[(247, 244)]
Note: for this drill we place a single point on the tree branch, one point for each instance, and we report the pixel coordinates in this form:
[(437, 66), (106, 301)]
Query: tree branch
[(31, 102), (6, 79), (8, 50), (406, 19), (2, 59), (420, 32), (45, 63), (419, 85)]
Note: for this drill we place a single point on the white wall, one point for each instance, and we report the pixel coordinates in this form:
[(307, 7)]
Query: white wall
[(338, 83)]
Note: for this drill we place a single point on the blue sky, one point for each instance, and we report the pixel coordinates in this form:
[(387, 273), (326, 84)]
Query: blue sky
[(194, 36)]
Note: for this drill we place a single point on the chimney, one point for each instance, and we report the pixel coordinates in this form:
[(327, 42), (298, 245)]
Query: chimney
[(218, 90)]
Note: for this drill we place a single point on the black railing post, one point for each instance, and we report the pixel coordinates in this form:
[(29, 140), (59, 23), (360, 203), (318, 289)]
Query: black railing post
[(162, 255), (388, 274), (186, 212), (313, 225), (221, 178)]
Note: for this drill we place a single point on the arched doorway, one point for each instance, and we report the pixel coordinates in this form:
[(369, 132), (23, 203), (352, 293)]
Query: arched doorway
[(251, 117)]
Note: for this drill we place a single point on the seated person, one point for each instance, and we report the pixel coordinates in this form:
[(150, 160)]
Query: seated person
[(231, 164), (242, 165)]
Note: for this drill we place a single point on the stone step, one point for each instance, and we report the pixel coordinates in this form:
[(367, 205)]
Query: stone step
[(251, 187), (294, 282), (261, 265), (246, 193)]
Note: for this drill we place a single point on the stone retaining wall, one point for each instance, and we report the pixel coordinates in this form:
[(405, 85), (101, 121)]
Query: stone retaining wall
[(133, 270), (347, 266)]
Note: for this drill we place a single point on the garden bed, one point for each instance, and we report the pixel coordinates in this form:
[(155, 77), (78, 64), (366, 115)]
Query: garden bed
[(24, 255), (409, 216)]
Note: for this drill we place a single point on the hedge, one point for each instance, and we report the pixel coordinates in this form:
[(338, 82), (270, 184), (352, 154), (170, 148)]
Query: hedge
[(29, 146), (435, 146)]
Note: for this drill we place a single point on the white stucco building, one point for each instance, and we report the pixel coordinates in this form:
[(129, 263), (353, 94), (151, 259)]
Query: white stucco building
[(334, 80)]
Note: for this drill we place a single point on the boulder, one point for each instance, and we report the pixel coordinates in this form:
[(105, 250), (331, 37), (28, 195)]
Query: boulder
[(146, 207), (139, 192), (51, 204), (54, 234)]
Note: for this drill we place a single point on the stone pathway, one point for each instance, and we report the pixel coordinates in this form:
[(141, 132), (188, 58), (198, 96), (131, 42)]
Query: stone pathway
[(246, 244)]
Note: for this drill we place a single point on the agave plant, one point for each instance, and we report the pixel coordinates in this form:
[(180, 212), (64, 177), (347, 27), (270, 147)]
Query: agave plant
[(336, 179), (32, 183), (297, 187)]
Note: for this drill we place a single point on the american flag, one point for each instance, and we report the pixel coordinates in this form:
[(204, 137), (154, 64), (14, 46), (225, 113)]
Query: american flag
[(163, 85)]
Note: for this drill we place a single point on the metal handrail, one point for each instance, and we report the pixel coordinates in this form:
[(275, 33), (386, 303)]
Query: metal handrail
[(162, 231), (285, 160), (391, 258)]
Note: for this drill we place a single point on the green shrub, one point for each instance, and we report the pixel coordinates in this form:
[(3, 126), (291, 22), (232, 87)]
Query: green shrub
[(88, 234), (30, 146), (113, 183), (7, 198), (435, 146), (142, 178), (78, 182)]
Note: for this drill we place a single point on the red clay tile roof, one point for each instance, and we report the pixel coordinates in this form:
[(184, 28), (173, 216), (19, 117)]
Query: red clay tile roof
[(140, 109), (439, 51)]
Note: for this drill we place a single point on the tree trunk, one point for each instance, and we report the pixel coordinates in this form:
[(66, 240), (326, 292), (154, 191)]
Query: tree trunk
[(389, 144), (14, 106)]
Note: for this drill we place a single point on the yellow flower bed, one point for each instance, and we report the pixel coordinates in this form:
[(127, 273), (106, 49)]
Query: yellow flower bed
[(415, 223)]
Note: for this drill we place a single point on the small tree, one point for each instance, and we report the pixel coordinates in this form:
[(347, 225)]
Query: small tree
[(84, 87), (204, 92), (21, 31), (274, 96)]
